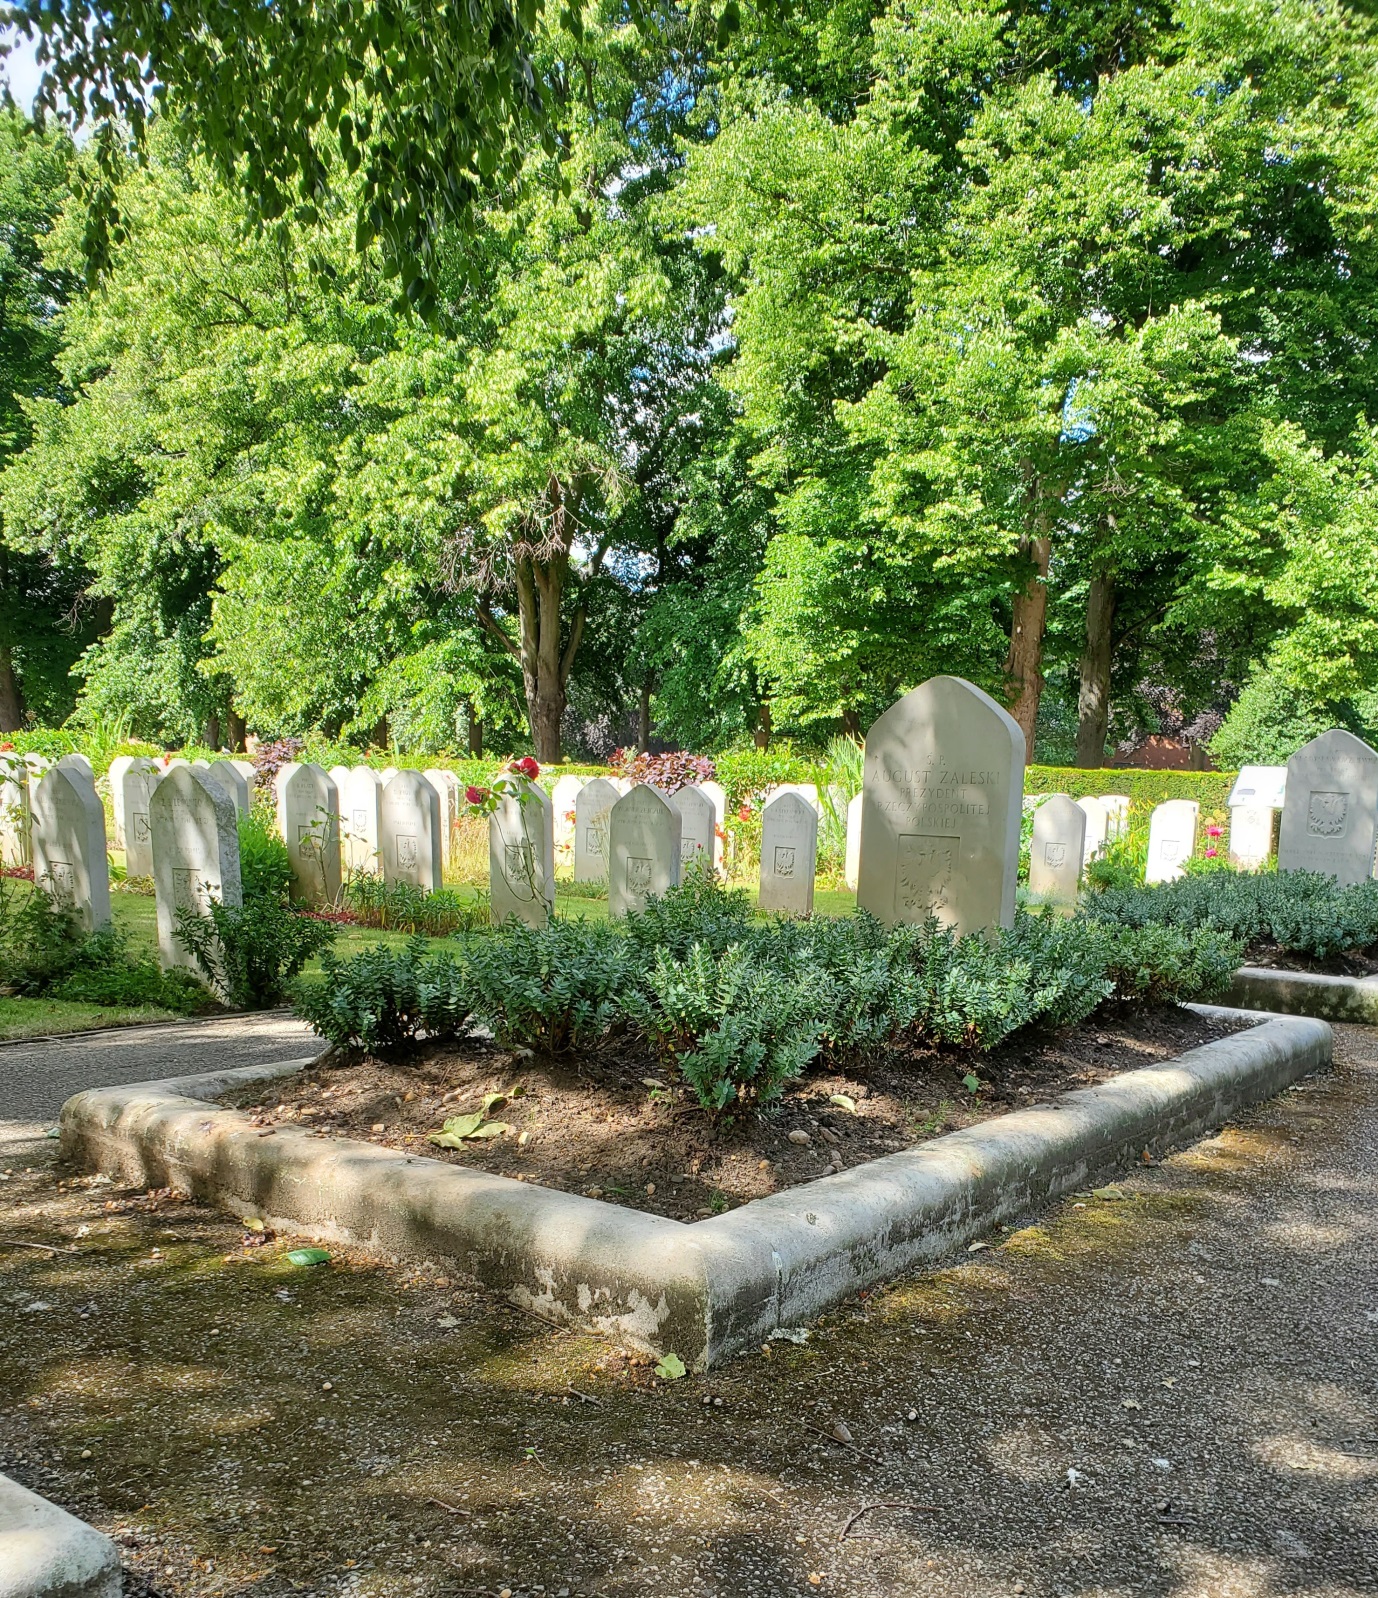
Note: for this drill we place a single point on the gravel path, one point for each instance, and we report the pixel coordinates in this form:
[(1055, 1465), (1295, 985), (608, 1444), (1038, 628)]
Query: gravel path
[(1165, 1394), (36, 1078)]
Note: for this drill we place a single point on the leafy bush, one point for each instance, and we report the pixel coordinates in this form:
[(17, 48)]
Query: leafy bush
[(556, 987), (384, 997), (669, 772), (403, 907), (1269, 722), (44, 953), (265, 869), (1300, 912)]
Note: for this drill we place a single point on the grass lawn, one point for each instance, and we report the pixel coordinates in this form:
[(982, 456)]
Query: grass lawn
[(41, 1018)]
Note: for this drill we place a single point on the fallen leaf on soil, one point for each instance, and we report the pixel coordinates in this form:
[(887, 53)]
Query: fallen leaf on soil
[(253, 1223), (308, 1256), (493, 1101), (840, 1431), (460, 1129), (1110, 1194), (671, 1368), (843, 1101), (975, 1248)]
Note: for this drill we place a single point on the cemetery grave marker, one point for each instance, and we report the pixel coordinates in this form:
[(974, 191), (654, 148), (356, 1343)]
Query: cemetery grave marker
[(698, 835), (521, 858), (1255, 802), (789, 855), (194, 831), (564, 804), (1171, 839), (140, 778), (67, 832), (14, 812), (224, 774), (1097, 828), (360, 804), (409, 831), (592, 811), (1330, 809), (1057, 851), (309, 820), (852, 859), (644, 840)]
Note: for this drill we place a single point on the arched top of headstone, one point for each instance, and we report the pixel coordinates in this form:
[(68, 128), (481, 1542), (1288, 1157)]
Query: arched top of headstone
[(790, 805), (918, 708)]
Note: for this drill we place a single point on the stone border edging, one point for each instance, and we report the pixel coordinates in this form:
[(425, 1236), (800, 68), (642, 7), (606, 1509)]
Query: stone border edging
[(1257, 987), (47, 1553), (705, 1289)]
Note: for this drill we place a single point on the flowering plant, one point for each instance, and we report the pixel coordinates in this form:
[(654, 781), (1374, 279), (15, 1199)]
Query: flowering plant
[(668, 772), (512, 780)]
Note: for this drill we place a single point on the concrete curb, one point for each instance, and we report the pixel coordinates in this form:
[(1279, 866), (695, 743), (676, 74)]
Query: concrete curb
[(1257, 987), (707, 1289), (47, 1553)]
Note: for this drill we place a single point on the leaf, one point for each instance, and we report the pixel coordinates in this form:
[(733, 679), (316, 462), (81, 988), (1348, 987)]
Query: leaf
[(460, 1129), (493, 1101), (671, 1368), (1109, 1194), (492, 1129), (971, 1082), (308, 1256), (252, 1223), (843, 1101)]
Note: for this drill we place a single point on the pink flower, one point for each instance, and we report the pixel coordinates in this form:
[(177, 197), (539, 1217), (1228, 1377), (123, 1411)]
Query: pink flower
[(475, 796), (1214, 832), (744, 813), (1211, 853)]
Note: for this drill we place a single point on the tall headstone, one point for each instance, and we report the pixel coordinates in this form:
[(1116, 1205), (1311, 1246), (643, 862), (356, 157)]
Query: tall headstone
[(789, 855), (339, 775), (1255, 800), (1057, 851), (521, 859), (644, 837), (1117, 814), (388, 773), (136, 794), (409, 831), (360, 802), (852, 858), (248, 770), (807, 791), (14, 811), (309, 820), (114, 778), (563, 799), (592, 810), (698, 835), (1097, 828), (447, 791), (195, 834), (941, 809), (716, 795), (1171, 839), (1330, 811), (67, 824), (79, 760), (224, 774)]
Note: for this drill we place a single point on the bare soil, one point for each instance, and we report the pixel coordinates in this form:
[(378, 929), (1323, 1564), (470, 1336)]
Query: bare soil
[(614, 1128), (1352, 963)]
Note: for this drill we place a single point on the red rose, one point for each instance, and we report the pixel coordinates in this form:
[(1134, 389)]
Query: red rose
[(528, 768), (475, 796)]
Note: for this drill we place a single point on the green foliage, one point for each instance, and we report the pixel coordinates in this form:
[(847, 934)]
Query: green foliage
[(1299, 912), (403, 907), (44, 953), (1269, 722), (265, 869), (383, 998)]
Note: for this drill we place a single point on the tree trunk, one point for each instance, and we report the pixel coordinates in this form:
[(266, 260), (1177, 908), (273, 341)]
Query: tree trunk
[(237, 730), (1093, 699), (1024, 664), (475, 731), (763, 726), (382, 735), (643, 719), (213, 732), (11, 698)]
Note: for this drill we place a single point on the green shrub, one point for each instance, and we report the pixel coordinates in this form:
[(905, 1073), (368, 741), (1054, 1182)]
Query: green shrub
[(554, 988), (1300, 912), (403, 907), (700, 910), (265, 869), (385, 997)]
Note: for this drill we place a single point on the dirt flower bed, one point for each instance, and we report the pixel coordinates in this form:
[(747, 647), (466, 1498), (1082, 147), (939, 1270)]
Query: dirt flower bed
[(1352, 963), (614, 1129)]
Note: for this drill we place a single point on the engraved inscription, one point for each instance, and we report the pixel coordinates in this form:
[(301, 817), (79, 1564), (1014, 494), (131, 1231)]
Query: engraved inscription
[(593, 841), (1327, 814), (63, 879), (190, 891), (408, 855), (1054, 854), (140, 830), (688, 848), (360, 819), (1170, 849), (308, 843), (639, 874), (784, 860), (924, 871), (519, 863)]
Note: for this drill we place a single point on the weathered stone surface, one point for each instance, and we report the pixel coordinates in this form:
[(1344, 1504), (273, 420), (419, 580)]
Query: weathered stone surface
[(564, 796), (360, 806), (309, 820), (644, 838), (1330, 812), (789, 855), (852, 859), (67, 829), (1056, 852), (47, 1553), (195, 834), (941, 809), (339, 775), (14, 811), (447, 791), (248, 771), (1171, 839), (409, 829), (1255, 803), (114, 779), (716, 795), (225, 774), (521, 859), (1097, 828), (592, 812), (136, 787), (698, 840)]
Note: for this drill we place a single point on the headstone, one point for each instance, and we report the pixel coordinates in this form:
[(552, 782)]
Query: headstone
[(717, 797), (1117, 812), (339, 775), (114, 778), (563, 801), (447, 790), (521, 859), (941, 809), (136, 794), (224, 775), (1255, 800), (409, 831), (592, 810), (698, 836), (388, 773), (67, 825), (852, 859), (644, 837), (807, 791), (789, 855), (1097, 828), (79, 760), (1330, 812), (309, 820), (14, 811), (248, 770), (1057, 851), (360, 802), (1171, 839), (195, 835)]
